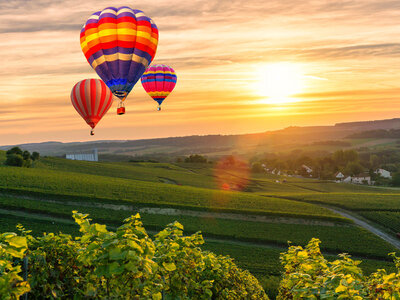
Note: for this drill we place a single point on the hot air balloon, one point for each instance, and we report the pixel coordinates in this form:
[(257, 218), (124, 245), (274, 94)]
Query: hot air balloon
[(119, 44), (91, 99), (159, 81)]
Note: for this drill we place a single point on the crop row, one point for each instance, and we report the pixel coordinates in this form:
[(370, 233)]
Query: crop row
[(150, 193), (278, 234), (387, 219), (356, 201)]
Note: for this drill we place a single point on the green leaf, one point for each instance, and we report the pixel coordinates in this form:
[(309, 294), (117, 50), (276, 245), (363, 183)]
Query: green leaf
[(17, 241), (169, 266)]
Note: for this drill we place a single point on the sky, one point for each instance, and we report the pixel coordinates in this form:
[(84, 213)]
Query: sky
[(242, 67)]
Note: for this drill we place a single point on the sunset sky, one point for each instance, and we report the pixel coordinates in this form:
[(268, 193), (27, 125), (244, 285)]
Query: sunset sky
[(242, 67)]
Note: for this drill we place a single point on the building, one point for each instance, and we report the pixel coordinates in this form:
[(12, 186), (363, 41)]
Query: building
[(308, 169), (84, 156), (362, 178), (383, 173), (347, 179), (339, 176)]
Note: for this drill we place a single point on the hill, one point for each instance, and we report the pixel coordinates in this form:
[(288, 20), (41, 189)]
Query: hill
[(215, 145), (252, 225)]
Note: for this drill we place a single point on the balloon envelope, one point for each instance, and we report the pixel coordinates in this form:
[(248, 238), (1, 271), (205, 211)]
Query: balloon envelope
[(91, 99), (119, 44), (159, 81)]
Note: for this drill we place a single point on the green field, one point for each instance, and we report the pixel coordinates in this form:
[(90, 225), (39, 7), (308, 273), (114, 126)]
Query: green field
[(43, 197), (149, 193), (357, 201)]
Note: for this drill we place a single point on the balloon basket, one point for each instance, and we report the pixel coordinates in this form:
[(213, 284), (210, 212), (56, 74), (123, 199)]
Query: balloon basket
[(120, 110), (92, 132), (159, 108)]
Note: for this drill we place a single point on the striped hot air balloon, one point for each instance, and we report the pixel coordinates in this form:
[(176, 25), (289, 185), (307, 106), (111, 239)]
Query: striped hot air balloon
[(159, 81), (119, 44), (91, 99)]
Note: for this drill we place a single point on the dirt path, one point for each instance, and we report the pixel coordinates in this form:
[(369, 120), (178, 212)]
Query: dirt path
[(383, 235)]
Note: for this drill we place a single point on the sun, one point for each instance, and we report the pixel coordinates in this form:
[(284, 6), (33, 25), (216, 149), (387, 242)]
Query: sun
[(278, 82)]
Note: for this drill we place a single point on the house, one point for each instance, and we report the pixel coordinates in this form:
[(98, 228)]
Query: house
[(84, 156), (339, 176), (362, 178), (347, 179), (383, 173), (308, 169)]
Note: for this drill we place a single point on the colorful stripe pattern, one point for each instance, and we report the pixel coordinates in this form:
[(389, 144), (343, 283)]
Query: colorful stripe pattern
[(91, 99), (159, 81), (119, 44)]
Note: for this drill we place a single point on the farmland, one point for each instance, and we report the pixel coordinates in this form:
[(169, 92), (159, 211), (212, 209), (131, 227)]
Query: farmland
[(253, 225)]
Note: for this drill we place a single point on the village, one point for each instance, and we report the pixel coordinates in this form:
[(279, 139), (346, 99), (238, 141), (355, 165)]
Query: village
[(361, 178)]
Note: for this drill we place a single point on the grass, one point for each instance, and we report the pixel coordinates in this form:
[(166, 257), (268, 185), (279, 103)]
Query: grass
[(153, 172), (388, 219), (356, 201), (278, 234), (149, 193)]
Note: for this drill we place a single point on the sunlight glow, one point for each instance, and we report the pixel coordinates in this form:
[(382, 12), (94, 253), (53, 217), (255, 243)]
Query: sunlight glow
[(279, 82)]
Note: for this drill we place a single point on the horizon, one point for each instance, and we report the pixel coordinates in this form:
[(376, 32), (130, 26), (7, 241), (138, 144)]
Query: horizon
[(207, 134), (269, 66)]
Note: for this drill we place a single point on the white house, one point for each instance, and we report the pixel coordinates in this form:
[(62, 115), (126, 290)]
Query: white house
[(362, 179), (383, 173), (339, 176), (308, 169), (84, 156), (347, 179)]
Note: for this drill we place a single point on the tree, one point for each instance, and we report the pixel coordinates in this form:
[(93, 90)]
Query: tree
[(14, 150), (353, 168), (396, 179), (18, 158), (35, 156), (26, 155), (195, 158), (257, 168), (15, 160), (374, 161)]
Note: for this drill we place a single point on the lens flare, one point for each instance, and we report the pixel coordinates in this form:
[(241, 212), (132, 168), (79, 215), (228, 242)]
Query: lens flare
[(232, 173)]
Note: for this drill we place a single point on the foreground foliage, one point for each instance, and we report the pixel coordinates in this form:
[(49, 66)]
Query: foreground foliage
[(125, 264), (308, 275)]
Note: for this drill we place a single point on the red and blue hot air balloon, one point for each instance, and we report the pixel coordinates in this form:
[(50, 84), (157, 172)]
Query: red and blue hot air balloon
[(159, 81), (119, 44)]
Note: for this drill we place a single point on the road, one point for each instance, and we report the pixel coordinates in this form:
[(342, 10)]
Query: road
[(383, 235)]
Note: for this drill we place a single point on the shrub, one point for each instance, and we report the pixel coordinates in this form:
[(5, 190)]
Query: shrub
[(35, 156), (15, 160), (18, 158), (125, 264), (308, 275)]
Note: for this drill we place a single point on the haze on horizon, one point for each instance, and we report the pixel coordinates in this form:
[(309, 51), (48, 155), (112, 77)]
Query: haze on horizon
[(241, 68)]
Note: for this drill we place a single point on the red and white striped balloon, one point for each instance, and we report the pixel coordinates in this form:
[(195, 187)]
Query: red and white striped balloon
[(91, 99)]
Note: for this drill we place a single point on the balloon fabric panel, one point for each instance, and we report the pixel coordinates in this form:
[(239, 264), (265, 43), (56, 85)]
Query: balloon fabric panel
[(119, 43), (92, 99), (159, 81)]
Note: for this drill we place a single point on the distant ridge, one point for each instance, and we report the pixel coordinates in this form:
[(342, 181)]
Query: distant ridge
[(215, 144), (372, 125)]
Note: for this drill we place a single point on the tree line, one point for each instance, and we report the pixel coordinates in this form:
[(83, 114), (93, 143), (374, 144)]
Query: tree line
[(20, 158)]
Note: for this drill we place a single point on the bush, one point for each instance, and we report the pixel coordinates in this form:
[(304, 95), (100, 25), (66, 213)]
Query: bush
[(15, 160), (396, 179), (308, 275), (35, 156), (257, 168), (18, 158), (196, 159), (125, 264), (14, 150)]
